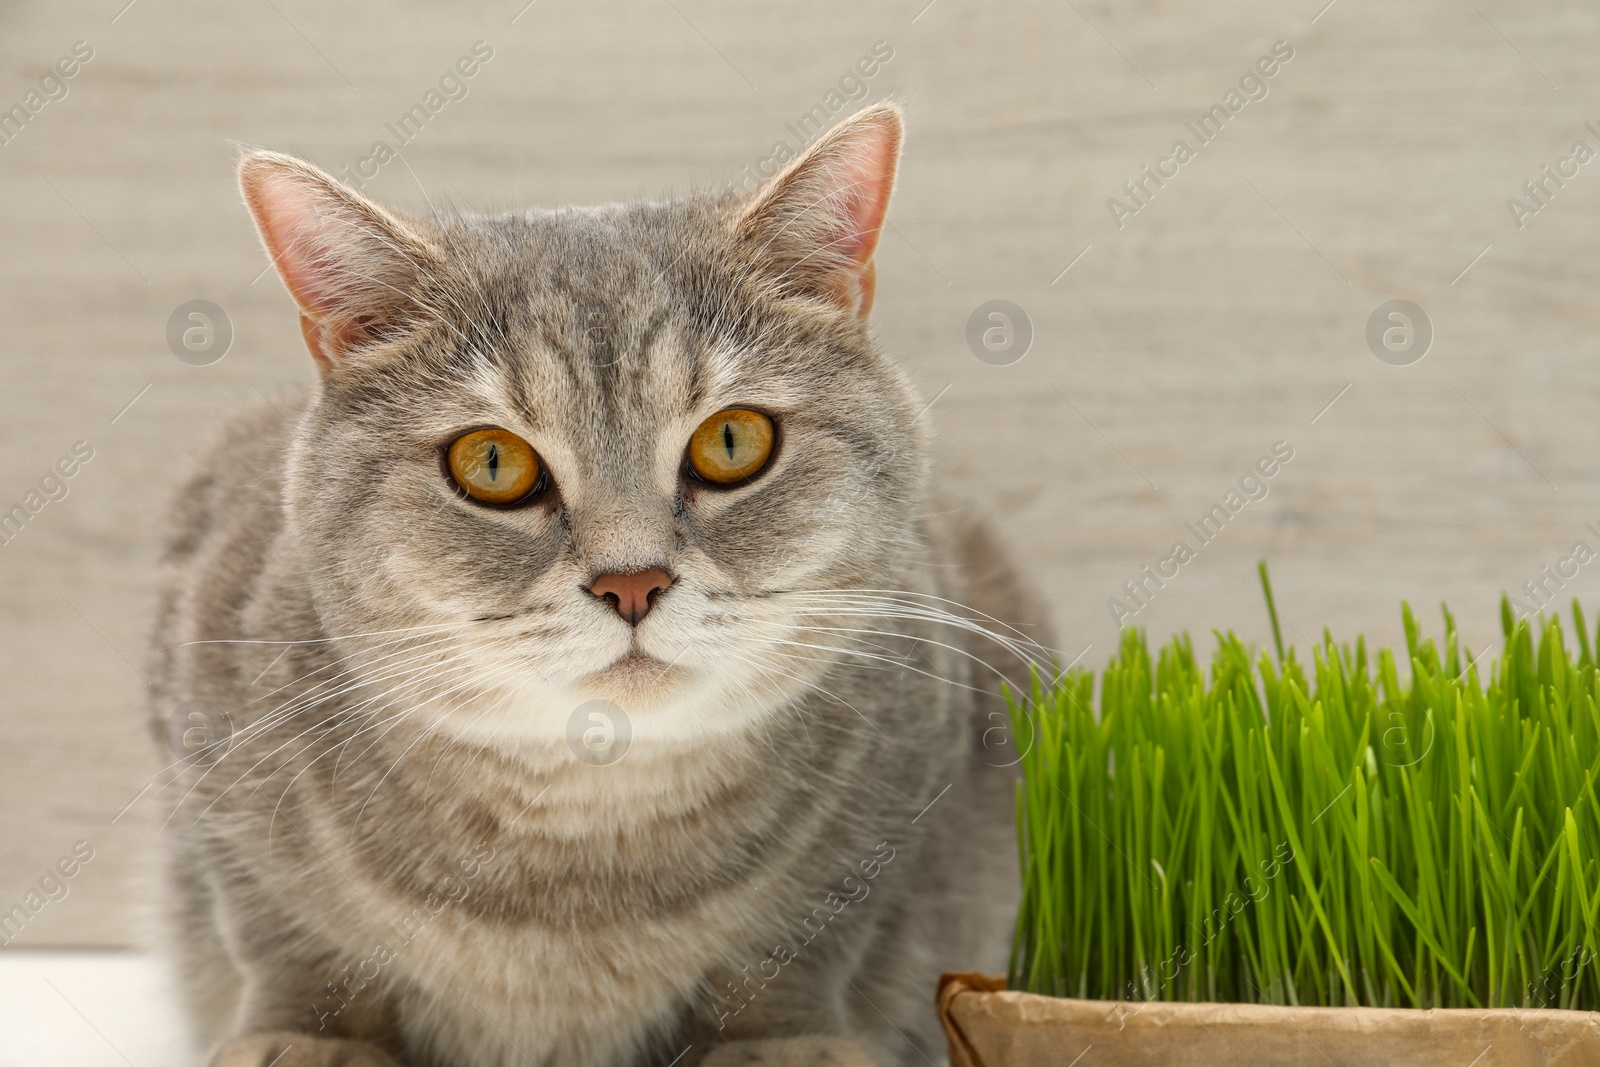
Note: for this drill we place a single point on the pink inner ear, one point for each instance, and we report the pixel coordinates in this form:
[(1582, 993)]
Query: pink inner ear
[(297, 236), (818, 222), (866, 179)]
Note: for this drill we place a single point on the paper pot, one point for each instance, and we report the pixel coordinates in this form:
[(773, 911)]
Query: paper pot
[(991, 1027)]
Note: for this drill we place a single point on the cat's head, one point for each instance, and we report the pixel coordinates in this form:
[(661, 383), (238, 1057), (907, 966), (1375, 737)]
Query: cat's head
[(625, 453)]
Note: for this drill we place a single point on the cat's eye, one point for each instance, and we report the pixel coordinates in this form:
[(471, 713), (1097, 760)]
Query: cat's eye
[(494, 466), (731, 446)]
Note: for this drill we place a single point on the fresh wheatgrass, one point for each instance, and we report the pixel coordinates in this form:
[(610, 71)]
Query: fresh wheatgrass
[(1259, 835)]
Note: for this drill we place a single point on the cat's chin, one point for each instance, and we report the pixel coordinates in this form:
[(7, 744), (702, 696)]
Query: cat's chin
[(637, 679)]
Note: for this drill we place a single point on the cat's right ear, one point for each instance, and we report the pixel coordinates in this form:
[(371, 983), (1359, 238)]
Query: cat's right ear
[(356, 271)]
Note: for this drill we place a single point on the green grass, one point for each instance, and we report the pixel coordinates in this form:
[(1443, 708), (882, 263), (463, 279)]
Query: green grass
[(1333, 836)]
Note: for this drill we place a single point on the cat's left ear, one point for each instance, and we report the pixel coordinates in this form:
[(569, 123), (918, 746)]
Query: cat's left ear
[(358, 272), (815, 226)]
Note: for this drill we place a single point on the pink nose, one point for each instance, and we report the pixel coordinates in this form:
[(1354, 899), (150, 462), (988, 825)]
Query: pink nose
[(631, 594)]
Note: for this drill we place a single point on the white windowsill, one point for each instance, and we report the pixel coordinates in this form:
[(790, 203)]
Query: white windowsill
[(88, 1009)]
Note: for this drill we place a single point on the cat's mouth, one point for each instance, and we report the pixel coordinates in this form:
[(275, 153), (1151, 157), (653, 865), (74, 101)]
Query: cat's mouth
[(635, 673)]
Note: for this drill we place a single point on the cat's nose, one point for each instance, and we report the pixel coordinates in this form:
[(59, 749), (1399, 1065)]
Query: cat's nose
[(631, 594)]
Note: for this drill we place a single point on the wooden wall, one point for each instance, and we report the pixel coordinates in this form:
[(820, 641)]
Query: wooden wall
[(1170, 353)]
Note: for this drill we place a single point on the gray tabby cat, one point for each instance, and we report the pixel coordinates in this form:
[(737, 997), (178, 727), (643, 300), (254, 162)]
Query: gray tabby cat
[(598, 685)]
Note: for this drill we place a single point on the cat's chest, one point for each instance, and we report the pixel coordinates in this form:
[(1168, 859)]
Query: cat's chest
[(560, 921), (480, 991), (560, 942)]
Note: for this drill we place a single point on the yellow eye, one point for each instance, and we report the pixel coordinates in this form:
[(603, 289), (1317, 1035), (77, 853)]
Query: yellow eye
[(731, 446), (494, 466)]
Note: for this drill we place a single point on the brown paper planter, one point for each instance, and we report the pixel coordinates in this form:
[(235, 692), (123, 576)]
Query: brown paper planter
[(990, 1027)]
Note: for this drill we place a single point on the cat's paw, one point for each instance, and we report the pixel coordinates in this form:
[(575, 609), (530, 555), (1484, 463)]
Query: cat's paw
[(285, 1048), (793, 1052)]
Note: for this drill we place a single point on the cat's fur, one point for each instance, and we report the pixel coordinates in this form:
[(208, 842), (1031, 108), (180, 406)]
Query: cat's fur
[(399, 858)]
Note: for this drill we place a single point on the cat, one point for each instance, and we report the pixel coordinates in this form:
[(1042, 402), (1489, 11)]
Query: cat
[(600, 685)]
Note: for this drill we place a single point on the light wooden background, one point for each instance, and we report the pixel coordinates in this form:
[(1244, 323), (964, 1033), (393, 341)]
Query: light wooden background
[(1225, 316)]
